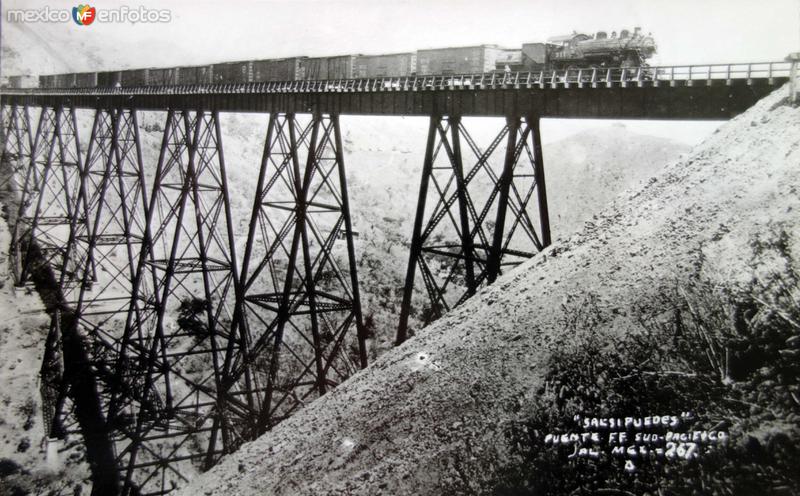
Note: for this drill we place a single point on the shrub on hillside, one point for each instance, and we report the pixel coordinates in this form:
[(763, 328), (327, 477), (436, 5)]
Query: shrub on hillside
[(729, 357)]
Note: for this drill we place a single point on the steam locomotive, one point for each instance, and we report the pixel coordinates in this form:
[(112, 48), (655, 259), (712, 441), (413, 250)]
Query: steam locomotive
[(628, 49)]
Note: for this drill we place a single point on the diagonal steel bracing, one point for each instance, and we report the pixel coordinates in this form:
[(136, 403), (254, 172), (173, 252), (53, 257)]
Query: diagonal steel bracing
[(175, 420), (112, 198), (17, 141), (478, 220), (192, 356), (49, 197), (189, 360), (301, 313)]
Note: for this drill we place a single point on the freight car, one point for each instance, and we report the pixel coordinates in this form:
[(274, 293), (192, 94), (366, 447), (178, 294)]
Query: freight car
[(231, 71), (320, 68), (290, 69), (389, 65), (458, 60), (23, 82), (187, 75), (86, 79), (109, 79), (627, 49), (135, 77), (162, 77)]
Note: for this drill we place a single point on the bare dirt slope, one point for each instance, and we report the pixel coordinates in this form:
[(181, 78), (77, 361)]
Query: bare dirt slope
[(433, 413)]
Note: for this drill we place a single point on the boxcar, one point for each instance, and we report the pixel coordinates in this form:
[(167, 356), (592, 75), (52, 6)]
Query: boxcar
[(290, 69), (232, 72), (205, 74), (134, 77), (162, 77), (109, 79), (458, 60), (86, 80), (186, 75), (23, 81), (51, 81), (65, 80), (338, 67), (393, 64)]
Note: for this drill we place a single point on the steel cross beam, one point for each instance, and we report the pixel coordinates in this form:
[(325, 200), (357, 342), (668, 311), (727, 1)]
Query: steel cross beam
[(166, 409), (244, 351), (455, 258), (300, 306)]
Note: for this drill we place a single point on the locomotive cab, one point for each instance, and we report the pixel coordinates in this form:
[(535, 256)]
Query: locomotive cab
[(565, 51)]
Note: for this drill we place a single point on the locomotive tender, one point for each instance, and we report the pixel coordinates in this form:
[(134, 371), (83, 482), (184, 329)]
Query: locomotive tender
[(575, 50)]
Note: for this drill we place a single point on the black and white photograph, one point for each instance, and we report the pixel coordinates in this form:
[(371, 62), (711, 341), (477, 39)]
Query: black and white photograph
[(400, 247)]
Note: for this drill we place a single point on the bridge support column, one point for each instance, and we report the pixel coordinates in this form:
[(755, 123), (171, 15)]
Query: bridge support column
[(17, 143), (173, 367), (111, 199), (480, 221), (49, 193), (300, 305)]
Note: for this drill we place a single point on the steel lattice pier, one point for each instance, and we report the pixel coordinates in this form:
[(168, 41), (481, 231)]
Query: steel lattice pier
[(480, 220), (191, 348)]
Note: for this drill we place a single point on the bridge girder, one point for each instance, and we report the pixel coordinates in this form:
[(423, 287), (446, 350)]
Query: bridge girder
[(713, 99)]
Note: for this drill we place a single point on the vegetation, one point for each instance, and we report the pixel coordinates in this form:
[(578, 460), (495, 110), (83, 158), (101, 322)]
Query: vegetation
[(729, 356), (192, 316)]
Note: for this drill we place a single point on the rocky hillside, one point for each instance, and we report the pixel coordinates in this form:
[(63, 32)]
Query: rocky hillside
[(680, 297)]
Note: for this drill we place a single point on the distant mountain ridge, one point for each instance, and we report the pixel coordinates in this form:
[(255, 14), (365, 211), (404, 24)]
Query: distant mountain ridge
[(587, 170)]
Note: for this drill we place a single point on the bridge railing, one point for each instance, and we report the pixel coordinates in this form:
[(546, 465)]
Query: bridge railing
[(594, 77)]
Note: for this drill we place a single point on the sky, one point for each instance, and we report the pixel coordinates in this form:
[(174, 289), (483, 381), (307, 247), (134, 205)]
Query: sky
[(202, 31)]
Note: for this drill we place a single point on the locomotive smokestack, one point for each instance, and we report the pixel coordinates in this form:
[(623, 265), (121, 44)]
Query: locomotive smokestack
[(637, 31)]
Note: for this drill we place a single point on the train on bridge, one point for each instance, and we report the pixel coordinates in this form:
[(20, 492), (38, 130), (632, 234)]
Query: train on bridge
[(626, 49)]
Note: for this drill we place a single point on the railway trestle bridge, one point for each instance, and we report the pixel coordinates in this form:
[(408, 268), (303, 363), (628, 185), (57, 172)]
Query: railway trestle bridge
[(195, 343)]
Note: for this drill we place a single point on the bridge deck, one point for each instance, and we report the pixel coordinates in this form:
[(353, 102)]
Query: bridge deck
[(676, 92)]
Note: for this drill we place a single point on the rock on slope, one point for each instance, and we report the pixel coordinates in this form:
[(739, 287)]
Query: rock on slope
[(436, 407)]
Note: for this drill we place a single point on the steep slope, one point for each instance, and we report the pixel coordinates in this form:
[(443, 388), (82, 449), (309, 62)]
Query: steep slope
[(437, 415)]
